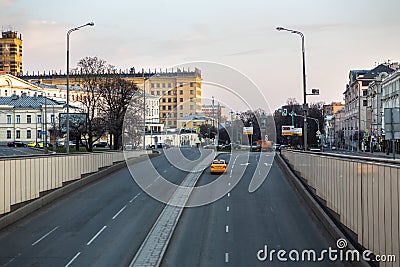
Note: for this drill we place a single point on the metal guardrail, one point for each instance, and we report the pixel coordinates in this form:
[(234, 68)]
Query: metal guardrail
[(25, 178), (364, 194)]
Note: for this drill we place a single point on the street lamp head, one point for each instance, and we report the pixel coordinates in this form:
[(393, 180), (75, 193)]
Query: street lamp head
[(279, 28), (90, 23)]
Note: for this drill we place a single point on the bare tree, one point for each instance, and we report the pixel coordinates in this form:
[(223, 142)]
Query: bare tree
[(133, 121), (116, 95), (92, 71)]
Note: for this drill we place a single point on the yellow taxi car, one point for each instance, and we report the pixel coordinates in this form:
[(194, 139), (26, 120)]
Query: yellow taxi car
[(218, 166)]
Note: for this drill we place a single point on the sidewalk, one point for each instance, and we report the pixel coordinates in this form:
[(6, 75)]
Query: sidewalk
[(367, 154)]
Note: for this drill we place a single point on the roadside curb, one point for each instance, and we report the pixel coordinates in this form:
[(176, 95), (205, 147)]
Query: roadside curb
[(36, 204), (319, 212)]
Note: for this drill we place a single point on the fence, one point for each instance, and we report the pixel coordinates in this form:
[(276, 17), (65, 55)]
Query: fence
[(25, 178), (364, 194)]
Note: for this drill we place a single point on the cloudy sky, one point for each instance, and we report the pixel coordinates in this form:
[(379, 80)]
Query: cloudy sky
[(340, 35)]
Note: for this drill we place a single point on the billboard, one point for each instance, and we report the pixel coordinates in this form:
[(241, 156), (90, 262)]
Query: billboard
[(76, 120), (247, 130), (291, 130)]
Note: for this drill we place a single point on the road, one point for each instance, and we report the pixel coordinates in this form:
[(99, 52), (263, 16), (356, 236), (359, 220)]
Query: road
[(105, 223), (230, 231)]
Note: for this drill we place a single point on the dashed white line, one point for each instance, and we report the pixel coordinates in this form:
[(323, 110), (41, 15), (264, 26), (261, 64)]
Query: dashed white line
[(227, 208), (226, 257), (98, 233), (130, 201), (7, 263), (226, 228), (74, 258), (121, 210), (43, 237)]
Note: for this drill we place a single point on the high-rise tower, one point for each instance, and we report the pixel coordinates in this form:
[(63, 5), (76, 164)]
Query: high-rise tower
[(11, 53)]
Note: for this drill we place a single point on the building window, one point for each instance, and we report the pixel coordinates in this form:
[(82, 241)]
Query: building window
[(28, 134), (181, 107), (365, 83), (169, 100), (39, 118), (28, 118), (158, 92), (163, 107), (365, 103), (191, 107), (169, 107), (163, 100), (17, 134), (18, 119), (169, 85), (191, 92), (169, 92), (181, 115), (181, 92), (191, 84), (152, 85), (8, 119), (158, 85), (39, 133), (163, 92), (52, 118), (365, 92), (180, 84), (163, 85), (152, 92), (8, 134)]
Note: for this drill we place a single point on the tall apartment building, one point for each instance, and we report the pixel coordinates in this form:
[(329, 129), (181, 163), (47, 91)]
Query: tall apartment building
[(11, 53), (179, 91)]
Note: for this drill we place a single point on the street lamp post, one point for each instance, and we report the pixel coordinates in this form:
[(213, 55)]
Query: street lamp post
[(68, 33), (304, 81)]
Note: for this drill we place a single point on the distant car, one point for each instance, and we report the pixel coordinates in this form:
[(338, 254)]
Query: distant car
[(333, 148), (16, 144), (101, 144), (218, 166), (39, 144), (162, 145)]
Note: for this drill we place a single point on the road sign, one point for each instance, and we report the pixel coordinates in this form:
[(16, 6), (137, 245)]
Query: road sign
[(266, 137), (318, 132)]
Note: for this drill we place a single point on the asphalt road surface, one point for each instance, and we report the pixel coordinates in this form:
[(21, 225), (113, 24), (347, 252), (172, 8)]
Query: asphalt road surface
[(231, 231), (105, 223)]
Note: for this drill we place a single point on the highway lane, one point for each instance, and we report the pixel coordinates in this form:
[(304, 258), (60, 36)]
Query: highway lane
[(230, 231), (102, 224)]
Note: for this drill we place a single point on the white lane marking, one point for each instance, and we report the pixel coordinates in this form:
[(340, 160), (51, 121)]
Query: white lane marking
[(226, 228), (272, 210), (121, 210), (226, 257), (43, 237), (229, 194), (74, 258), (245, 164), (227, 208), (8, 262), (98, 233), (130, 201)]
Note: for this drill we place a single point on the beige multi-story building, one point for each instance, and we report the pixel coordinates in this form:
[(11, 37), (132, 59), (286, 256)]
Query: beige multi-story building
[(179, 92), (357, 118), (11, 53), (216, 111)]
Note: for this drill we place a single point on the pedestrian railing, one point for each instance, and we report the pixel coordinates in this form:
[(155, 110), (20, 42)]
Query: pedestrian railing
[(363, 194)]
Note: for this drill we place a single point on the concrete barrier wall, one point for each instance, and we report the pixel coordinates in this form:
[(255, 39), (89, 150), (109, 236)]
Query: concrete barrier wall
[(25, 178), (365, 195)]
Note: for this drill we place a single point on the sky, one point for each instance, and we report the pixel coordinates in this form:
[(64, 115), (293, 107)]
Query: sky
[(241, 35)]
